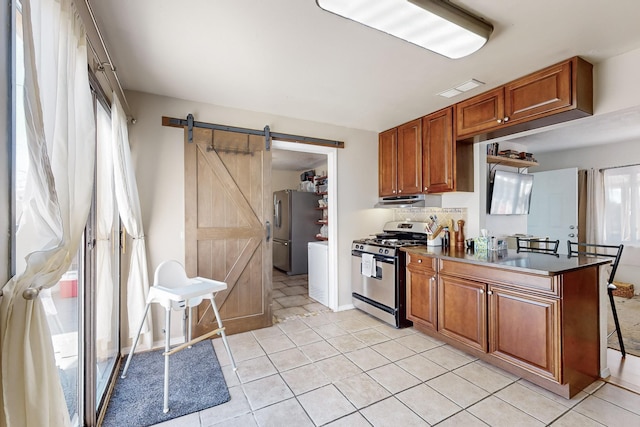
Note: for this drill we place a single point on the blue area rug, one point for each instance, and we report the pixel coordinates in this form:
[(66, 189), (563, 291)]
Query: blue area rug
[(195, 383)]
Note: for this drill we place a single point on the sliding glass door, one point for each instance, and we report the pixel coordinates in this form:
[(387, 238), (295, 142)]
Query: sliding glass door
[(107, 258)]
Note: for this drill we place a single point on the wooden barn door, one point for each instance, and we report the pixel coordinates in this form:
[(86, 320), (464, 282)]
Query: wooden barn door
[(228, 203)]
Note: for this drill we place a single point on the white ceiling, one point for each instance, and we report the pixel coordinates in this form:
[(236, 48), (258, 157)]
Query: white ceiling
[(290, 58), (296, 160)]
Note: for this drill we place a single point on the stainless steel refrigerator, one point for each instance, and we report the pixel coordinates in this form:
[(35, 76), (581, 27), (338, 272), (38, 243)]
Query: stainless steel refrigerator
[(294, 225)]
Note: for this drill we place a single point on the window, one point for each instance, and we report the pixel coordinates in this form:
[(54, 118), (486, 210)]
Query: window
[(622, 205)]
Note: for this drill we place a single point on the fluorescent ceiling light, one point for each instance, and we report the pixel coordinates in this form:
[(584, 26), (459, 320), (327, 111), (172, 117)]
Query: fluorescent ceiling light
[(436, 25)]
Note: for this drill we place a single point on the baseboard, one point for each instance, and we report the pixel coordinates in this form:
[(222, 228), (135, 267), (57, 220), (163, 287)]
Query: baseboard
[(346, 307)]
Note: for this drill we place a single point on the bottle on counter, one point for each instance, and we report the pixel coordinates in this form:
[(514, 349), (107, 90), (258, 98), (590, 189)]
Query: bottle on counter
[(445, 238), (460, 235)]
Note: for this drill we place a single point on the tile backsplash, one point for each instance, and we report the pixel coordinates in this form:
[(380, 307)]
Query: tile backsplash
[(423, 214)]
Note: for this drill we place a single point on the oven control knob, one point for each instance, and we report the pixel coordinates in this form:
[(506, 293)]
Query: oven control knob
[(380, 250), (386, 251)]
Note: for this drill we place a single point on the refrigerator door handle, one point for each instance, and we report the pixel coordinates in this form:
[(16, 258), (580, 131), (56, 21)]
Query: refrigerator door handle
[(268, 224), (278, 220), (275, 210)]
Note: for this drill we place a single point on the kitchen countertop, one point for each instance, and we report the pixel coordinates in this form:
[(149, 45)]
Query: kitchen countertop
[(527, 262)]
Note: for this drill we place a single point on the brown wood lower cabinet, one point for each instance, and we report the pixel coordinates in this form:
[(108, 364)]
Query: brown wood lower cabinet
[(542, 327), (422, 288), (462, 311), (524, 329)]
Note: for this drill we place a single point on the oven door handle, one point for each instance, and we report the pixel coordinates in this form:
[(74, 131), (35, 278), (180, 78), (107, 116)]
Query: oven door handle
[(387, 260)]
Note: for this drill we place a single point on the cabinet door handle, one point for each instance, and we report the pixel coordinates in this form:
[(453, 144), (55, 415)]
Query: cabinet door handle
[(481, 291), (572, 235), (426, 188), (506, 119), (419, 261), (490, 293), (499, 120), (399, 191)]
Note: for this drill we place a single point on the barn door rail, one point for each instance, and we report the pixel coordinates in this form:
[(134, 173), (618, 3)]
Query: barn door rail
[(190, 123)]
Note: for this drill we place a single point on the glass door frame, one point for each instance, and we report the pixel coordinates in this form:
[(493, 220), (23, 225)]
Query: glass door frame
[(94, 405)]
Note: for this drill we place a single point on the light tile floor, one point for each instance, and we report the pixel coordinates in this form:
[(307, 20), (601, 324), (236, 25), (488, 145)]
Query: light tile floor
[(291, 297), (349, 369)]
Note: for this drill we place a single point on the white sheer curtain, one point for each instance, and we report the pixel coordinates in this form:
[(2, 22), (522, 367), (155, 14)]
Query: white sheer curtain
[(131, 216), (594, 206), (60, 139), (104, 226)]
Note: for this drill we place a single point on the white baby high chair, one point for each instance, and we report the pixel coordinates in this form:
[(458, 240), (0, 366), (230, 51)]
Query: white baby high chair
[(174, 290)]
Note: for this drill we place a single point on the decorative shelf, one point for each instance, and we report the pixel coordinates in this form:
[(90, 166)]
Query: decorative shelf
[(507, 161)]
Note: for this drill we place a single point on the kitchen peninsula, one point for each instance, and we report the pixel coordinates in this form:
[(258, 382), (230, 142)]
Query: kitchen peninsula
[(535, 315)]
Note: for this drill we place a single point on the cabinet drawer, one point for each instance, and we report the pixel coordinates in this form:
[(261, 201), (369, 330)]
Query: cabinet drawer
[(426, 263), (548, 285)]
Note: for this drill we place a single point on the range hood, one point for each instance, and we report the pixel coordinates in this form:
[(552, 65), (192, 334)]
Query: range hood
[(410, 201)]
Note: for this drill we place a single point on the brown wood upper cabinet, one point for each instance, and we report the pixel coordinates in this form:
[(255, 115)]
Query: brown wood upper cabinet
[(400, 160), (388, 162), (558, 93), (438, 152), (422, 156), (410, 157)]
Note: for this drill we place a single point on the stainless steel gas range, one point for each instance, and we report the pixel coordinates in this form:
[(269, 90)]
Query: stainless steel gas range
[(378, 271)]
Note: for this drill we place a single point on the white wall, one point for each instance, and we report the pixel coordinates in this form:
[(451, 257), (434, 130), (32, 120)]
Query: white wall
[(284, 180), (615, 83), (159, 163), (598, 156), (290, 179)]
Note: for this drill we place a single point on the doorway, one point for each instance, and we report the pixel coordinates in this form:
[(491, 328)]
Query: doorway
[(554, 206), (291, 292)]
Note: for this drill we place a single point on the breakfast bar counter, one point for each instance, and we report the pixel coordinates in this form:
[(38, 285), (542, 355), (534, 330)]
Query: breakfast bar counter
[(535, 315), (524, 262)]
